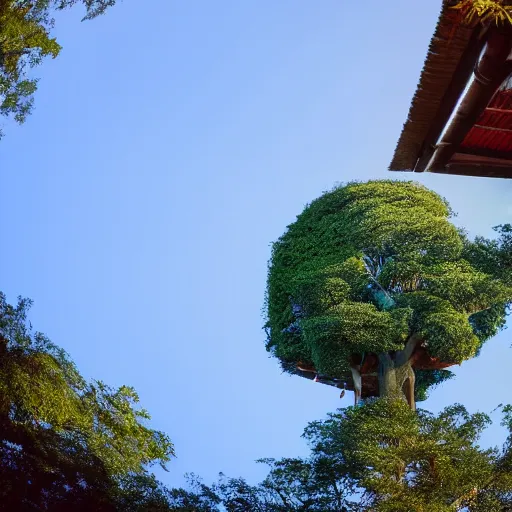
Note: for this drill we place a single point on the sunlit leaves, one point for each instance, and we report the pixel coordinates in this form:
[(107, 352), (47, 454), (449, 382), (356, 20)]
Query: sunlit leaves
[(25, 41), (348, 327), (467, 289)]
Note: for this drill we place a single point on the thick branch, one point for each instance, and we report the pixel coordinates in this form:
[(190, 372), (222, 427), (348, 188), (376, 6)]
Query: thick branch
[(302, 369), (404, 355), (385, 358)]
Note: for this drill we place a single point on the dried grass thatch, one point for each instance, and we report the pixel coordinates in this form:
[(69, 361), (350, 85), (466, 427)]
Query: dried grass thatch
[(498, 11)]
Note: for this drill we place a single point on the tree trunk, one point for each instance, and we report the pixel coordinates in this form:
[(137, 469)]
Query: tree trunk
[(396, 374)]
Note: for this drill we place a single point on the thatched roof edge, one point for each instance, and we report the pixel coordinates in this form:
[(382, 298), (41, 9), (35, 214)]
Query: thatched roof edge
[(447, 46)]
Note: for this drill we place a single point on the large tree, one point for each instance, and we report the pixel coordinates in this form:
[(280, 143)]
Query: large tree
[(62, 439), (373, 288), (401, 460), (25, 41), (380, 457)]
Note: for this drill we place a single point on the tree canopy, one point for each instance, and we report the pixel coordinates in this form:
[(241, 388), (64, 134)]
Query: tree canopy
[(25, 41), (381, 457), (291, 485), (64, 440), (378, 268), (402, 461)]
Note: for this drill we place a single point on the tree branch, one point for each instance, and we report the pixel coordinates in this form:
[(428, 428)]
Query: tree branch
[(385, 358), (471, 494), (407, 352)]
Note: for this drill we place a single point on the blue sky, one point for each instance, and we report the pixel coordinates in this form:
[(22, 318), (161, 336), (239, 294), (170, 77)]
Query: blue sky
[(169, 146)]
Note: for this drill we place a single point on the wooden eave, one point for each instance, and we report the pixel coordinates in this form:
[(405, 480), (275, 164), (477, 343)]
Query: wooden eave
[(455, 124)]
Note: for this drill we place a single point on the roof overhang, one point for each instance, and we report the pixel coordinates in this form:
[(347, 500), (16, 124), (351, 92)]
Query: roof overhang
[(460, 120)]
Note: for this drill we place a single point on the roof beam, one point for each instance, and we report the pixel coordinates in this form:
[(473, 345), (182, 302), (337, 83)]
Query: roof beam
[(490, 72), (503, 111), (486, 152), (492, 128)]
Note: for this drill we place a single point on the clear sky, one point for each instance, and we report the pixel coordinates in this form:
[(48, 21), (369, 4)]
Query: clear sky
[(172, 141)]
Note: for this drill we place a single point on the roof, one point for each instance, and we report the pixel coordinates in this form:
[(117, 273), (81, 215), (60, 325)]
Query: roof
[(493, 128), (479, 136)]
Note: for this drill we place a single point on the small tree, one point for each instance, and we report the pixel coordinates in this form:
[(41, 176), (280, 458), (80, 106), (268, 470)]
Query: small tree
[(373, 282)]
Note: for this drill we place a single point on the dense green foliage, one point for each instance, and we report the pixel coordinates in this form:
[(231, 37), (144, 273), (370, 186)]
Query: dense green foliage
[(25, 41), (367, 266), (63, 439), (404, 461), (491, 257), (381, 457)]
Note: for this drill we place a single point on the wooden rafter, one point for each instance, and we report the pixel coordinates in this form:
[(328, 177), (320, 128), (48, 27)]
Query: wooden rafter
[(486, 153), (492, 128)]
